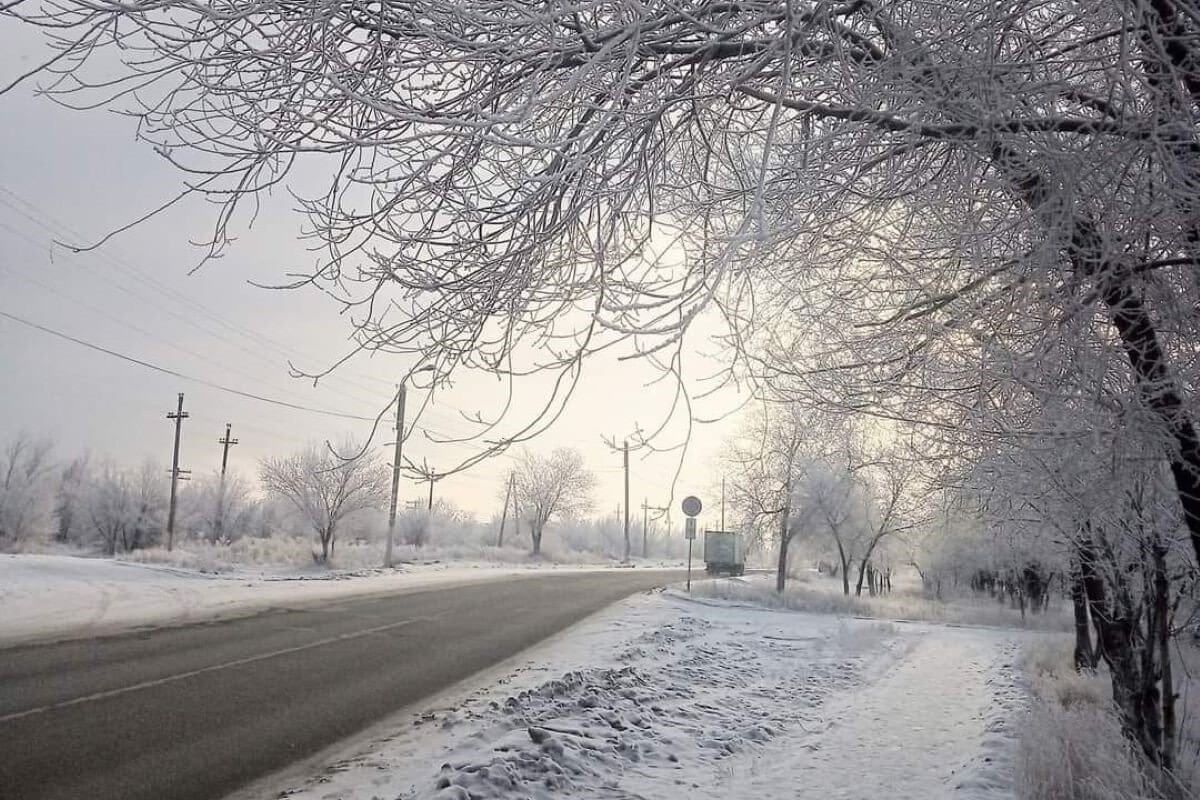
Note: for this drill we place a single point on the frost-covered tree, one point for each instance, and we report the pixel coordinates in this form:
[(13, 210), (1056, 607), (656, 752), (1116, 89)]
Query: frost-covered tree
[(888, 511), (325, 488), (25, 485), (837, 502), (1091, 500), (69, 498), (770, 463), (127, 508), (551, 486), (219, 509)]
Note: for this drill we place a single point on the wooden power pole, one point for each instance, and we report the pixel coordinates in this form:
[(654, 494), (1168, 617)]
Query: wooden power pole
[(179, 415), (504, 515), (626, 500), (516, 501), (226, 442), (387, 555), (645, 526)]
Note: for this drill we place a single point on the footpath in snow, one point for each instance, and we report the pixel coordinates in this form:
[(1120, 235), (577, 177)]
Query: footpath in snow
[(662, 697), (46, 597)]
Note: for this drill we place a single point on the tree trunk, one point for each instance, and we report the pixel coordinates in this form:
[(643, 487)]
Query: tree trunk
[(781, 570), (1162, 638), (862, 570), (1158, 389), (535, 534), (1085, 657), (1135, 693), (866, 560)]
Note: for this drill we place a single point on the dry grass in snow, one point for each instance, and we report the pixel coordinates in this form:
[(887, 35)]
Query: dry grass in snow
[(822, 595), (284, 552), (1071, 746)]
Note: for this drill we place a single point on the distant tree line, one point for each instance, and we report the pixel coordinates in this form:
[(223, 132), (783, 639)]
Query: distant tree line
[(95, 504)]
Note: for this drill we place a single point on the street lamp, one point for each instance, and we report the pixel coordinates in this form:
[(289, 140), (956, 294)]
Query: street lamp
[(401, 391)]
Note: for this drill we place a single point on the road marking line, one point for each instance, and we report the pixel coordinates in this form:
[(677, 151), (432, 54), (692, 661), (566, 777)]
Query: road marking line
[(213, 668)]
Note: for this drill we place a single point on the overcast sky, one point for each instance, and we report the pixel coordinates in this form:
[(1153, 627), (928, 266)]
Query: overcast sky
[(71, 175)]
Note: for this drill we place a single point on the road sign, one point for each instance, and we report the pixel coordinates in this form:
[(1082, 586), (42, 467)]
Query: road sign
[(691, 505), (689, 528)]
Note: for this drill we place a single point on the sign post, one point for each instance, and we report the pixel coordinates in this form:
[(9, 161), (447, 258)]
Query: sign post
[(691, 507)]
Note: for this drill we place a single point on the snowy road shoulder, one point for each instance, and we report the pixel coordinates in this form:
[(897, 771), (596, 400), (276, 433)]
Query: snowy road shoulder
[(658, 697), (50, 597)]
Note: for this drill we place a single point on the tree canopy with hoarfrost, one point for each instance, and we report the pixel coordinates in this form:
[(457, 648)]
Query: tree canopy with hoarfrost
[(894, 206), (551, 486), (326, 488)]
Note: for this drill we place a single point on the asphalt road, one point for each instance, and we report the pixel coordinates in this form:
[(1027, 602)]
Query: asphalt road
[(197, 711)]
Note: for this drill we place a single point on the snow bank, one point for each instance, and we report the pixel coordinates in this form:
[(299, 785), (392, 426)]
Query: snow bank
[(659, 697), (54, 596)]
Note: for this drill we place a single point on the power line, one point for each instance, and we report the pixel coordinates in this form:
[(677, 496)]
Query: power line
[(193, 354), (57, 227), (177, 374), (58, 292)]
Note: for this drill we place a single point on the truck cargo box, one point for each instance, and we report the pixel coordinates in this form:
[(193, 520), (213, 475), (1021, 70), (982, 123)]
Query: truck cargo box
[(723, 553)]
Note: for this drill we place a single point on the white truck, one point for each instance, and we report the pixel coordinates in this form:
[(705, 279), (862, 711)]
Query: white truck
[(723, 553)]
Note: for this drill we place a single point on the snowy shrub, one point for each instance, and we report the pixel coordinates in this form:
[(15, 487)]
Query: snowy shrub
[(413, 528)]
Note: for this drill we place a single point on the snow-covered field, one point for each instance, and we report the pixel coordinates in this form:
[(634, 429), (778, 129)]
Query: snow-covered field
[(663, 697), (55, 596)]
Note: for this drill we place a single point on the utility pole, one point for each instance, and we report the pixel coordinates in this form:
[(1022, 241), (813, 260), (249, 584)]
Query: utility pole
[(626, 500), (516, 501), (504, 514), (401, 394), (387, 556), (226, 442), (645, 525), (179, 416)]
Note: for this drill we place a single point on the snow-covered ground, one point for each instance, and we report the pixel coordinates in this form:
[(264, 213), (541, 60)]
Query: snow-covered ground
[(664, 697), (54, 596)]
